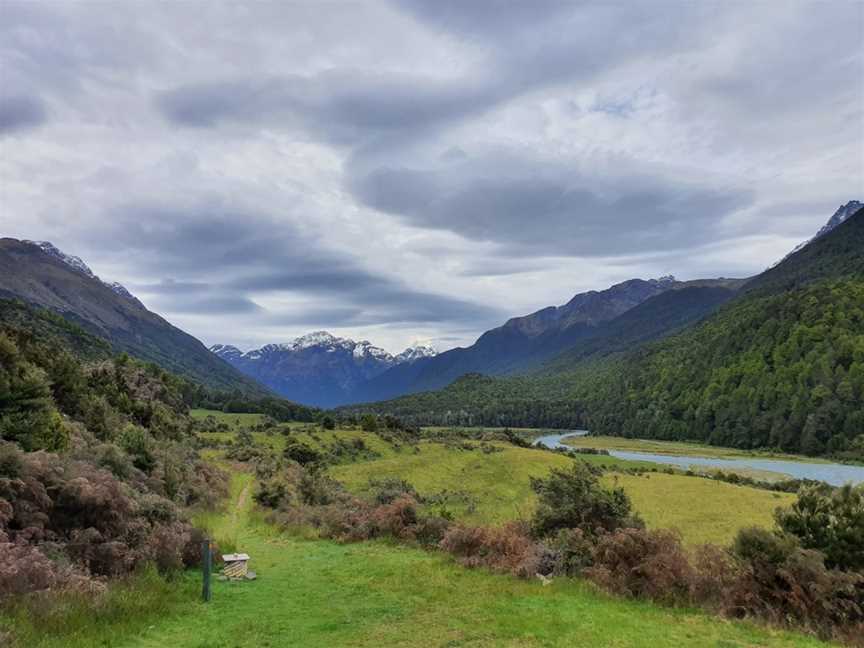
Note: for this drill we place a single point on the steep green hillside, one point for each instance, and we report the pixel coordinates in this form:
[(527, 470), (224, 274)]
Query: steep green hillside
[(29, 274), (783, 371)]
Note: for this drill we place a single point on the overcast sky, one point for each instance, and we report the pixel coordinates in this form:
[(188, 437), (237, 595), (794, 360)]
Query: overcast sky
[(421, 171)]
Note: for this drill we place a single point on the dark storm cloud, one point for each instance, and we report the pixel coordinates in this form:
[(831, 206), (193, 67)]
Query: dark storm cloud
[(19, 113)]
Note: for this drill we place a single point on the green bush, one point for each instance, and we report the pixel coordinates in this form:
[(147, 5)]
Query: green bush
[(831, 521), (574, 499)]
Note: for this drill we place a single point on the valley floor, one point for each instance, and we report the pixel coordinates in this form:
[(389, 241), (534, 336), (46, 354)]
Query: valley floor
[(320, 593)]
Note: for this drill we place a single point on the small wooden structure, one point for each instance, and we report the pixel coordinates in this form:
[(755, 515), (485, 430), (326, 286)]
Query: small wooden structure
[(236, 565)]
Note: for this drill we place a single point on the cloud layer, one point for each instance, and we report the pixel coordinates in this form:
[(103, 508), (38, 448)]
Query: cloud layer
[(410, 170)]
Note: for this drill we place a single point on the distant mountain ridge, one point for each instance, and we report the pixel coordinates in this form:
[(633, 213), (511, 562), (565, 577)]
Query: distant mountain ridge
[(774, 366), (318, 368), (42, 275), (525, 343)]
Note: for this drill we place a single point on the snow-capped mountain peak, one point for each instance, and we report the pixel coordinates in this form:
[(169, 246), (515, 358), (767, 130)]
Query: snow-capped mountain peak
[(76, 263), (72, 261), (839, 217), (416, 352)]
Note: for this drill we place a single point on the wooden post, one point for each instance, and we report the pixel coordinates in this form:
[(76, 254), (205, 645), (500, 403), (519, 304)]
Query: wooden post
[(206, 565)]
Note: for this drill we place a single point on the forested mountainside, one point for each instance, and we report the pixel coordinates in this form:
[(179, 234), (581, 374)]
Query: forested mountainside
[(524, 343), (781, 365), (49, 280)]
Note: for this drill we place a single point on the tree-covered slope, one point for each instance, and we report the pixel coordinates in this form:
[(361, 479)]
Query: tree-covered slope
[(29, 274), (783, 371), (781, 365)]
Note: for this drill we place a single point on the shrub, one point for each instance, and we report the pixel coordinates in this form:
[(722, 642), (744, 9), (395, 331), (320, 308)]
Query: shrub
[(831, 521), (430, 530), (396, 519), (301, 453), (783, 583), (640, 563), (273, 492), (508, 548), (391, 488), (11, 461), (574, 499), (574, 552)]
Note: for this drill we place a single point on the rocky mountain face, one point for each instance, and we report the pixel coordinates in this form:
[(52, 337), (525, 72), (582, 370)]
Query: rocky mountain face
[(319, 368), (42, 275), (77, 264)]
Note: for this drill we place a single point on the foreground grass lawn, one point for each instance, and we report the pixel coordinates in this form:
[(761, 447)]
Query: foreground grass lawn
[(318, 593)]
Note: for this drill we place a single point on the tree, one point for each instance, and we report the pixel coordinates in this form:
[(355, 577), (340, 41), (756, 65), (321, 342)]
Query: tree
[(301, 453), (27, 413), (831, 521), (574, 499)]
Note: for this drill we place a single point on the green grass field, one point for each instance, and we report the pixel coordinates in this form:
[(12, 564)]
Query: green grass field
[(319, 593), (491, 488), (703, 510), (498, 484)]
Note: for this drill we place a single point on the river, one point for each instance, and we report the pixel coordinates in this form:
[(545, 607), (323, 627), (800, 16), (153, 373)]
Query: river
[(831, 473)]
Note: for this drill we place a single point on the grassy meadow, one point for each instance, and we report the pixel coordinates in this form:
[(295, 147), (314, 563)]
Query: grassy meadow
[(320, 593), (493, 487)]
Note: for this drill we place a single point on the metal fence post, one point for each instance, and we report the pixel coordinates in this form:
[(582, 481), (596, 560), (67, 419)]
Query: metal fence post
[(206, 564)]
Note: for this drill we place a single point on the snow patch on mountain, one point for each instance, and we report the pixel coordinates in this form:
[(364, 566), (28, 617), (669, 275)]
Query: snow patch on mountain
[(72, 261), (415, 353), (323, 341), (839, 217), (76, 263)]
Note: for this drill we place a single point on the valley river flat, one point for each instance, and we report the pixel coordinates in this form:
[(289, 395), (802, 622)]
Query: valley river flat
[(831, 473)]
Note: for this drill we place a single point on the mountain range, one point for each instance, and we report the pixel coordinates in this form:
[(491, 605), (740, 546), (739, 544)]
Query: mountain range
[(318, 369), (324, 370), (592, 324)]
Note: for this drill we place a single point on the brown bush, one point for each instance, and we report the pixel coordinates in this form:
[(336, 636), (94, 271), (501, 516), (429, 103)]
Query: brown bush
[(24, 569), (716, 574), (167, 544), (798, 590), (640, 563), (508, 548), (573, 552), (396, 519)]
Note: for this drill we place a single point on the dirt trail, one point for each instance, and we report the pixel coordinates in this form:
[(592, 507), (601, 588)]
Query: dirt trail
[(240, 504)]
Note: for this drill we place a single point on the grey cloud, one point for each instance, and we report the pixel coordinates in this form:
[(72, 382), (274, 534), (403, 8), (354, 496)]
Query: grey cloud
[(19, 113), (227, 256), (344, 106), (224, 304), (545, 208)]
